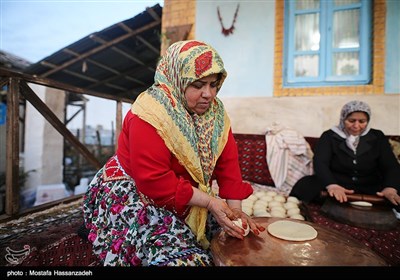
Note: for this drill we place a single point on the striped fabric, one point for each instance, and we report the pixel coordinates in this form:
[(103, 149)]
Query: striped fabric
[(289, 156)]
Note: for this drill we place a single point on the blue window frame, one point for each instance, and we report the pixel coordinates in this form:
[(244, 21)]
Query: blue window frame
[(327, 43)]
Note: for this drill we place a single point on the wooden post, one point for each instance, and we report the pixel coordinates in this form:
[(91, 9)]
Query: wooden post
[(12, 150)]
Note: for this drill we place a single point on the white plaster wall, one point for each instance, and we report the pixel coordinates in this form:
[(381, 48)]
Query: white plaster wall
[(54, 143), (247, 93), (34, 139), (308, 115), (249, 65), (43, 144)]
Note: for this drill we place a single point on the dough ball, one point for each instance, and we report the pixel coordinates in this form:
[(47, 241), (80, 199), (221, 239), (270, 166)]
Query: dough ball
[(260, 202), (293, 211), (238, 223), (262, 213), (259, 207), (289, 205), (266, 198), (259, 194), (247, 210), (279, 198), (252, 197), (297, 217), (278, 214), (271, 193), (293, 199), (278, 208), (274, 203)]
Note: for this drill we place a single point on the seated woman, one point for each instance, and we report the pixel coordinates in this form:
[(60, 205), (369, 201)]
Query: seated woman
[(352, 158), (152, 203)]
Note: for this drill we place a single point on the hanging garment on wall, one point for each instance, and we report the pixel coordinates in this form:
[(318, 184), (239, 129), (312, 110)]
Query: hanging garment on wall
[(289, 156)]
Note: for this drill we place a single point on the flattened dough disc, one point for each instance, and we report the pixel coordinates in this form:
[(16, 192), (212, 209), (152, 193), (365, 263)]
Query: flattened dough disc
[(361, 203), (292, 231)]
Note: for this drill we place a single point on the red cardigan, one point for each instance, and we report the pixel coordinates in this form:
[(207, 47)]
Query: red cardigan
[(158, 174)]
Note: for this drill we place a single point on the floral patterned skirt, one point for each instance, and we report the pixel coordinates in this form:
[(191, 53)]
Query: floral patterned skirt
[(127, 230)]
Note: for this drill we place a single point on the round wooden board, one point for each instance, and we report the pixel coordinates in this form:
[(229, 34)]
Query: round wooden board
[(377, 216), (330, 248)]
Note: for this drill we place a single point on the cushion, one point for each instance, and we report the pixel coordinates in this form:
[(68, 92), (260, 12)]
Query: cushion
[(252, 158)]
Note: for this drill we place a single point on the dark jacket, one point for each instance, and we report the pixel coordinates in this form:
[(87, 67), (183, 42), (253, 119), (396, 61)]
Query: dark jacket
[(372, 168)]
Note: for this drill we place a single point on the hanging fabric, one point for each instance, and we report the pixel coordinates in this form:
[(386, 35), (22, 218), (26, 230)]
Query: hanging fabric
[(289, 156)]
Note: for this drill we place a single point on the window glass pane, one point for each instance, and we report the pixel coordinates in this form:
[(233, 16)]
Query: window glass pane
[(307, 4), (346, 33), (326, 44), (307, 32), (345, 2), (345, 64), (306, 65)]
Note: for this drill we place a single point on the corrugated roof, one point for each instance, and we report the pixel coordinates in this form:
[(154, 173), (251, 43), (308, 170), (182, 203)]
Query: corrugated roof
[(119, 60), (13, 62)]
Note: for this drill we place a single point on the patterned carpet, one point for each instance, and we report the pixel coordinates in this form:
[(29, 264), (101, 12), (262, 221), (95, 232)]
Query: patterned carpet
[(384, 242), (48, 238)]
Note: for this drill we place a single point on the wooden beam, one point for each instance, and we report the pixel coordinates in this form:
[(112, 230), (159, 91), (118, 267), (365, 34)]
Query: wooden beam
[(54, 84), (150, 46), (153, 13), (12, 150), (73, 116), (140, 38), (3, 82), (100, 65), (102, 47), (31, 210), (87, 78), (30, 96), (123, 53), (72, 73)]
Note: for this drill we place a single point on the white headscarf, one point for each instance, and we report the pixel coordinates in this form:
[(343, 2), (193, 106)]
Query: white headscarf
[(351, 107)]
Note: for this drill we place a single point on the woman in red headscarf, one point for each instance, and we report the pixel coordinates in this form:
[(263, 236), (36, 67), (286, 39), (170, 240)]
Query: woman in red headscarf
[(152, 203)]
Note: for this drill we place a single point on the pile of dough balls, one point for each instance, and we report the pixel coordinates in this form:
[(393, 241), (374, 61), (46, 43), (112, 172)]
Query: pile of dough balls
[(271, 204)]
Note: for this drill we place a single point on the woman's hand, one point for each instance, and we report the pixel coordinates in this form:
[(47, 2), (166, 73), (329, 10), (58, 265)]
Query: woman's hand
[(390, 194), (256, 228), (338, 192), (224, 216), (219, 209)]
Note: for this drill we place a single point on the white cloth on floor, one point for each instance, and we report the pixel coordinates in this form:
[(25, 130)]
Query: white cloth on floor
[(397, 214), (289, 156)]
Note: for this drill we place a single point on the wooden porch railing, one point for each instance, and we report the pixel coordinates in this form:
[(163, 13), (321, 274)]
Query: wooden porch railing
[(18, 87)]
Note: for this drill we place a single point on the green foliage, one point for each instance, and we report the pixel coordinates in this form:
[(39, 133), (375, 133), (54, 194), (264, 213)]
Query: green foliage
[(23, 176)]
